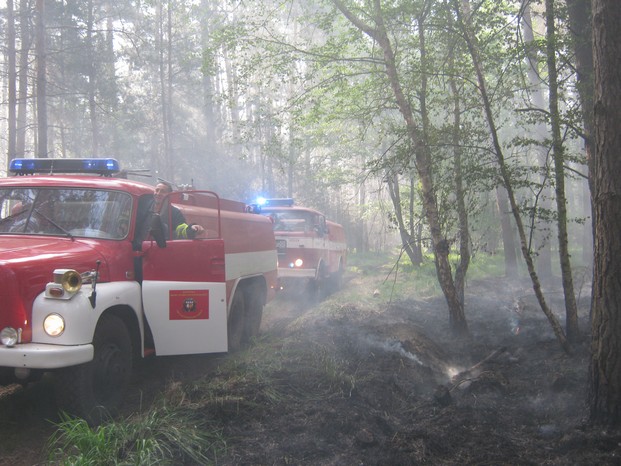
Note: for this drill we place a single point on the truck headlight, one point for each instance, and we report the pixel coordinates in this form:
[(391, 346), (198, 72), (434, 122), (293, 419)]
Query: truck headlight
[(54, 325), (9, 336), (298, 262)]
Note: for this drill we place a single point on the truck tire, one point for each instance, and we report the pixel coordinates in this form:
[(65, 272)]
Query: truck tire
[(315, 290), (318, 288), (336, 279), (236, 326), (94, 390), (254, 309)]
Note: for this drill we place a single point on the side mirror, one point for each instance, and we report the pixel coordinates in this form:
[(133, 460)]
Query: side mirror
[(157, 230), (253, 209)]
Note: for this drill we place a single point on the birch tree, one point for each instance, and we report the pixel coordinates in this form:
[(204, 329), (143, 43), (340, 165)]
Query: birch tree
[(471, 42), (558, 149), (378, 32)]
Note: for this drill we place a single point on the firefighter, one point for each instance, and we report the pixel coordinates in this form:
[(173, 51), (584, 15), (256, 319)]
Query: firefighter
[(181, 229), (19, 219)]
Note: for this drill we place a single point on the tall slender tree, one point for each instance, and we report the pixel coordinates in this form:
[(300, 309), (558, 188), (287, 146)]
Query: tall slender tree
[(378, 32), (12, 75), (605, 368), (24, 50), (558, 152), (544, 194), (91, 76), (579, 15), (473, 48), (41, 82)]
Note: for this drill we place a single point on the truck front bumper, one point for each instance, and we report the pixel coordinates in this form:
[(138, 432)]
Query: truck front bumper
[(286, 272), (42, 356)]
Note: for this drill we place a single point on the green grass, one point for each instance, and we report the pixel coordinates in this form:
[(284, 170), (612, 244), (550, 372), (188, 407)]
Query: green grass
[(391, 276), (167, 435), (397, 277)]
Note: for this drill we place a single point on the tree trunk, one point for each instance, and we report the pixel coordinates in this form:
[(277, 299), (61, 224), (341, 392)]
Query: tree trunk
[(92, 80), (359, 234), (544, 200), (163, 41), (415, 224), (460, 195), (41, 82), (378, 33), (508, 239), (208, 87), (113, 96), (22, 106), (407, 242), (169, 114), (571, 308), (579, 12), (211, 150), (605, 368), (12, 72), (504, 171)]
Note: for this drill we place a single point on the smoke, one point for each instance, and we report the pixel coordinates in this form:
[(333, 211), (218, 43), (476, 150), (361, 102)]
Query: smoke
[(391, 346)]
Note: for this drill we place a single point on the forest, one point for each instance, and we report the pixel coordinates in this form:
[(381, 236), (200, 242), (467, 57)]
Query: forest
[(452, 130)]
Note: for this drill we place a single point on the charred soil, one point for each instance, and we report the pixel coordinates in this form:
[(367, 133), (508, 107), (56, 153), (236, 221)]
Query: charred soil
[(365, 379)]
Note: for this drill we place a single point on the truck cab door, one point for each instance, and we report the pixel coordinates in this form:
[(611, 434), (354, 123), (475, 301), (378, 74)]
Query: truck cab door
[(184, 296), (322, 236)]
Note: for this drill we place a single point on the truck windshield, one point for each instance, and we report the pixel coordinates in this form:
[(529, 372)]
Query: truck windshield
[(291, 220), (88, 213)]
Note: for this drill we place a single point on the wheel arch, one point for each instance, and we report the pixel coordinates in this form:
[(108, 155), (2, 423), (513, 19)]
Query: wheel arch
[(245, 324), (341, 268), (323, 269), (130, 319), (249, 285)]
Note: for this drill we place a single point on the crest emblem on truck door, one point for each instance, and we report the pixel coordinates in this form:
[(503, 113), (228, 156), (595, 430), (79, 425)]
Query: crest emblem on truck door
[(188, 304)]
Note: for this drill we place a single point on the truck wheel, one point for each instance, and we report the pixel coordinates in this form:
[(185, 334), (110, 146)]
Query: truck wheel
[(312, 290), (316, 290), (255, 312), (337, 279), (236, 321), (94, 390)]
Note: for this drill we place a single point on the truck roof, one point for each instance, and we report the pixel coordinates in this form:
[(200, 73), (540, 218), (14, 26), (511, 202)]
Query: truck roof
[(289, 209), (79, 181)]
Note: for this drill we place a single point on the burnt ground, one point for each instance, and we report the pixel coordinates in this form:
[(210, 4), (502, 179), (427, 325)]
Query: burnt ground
[(365, 379)]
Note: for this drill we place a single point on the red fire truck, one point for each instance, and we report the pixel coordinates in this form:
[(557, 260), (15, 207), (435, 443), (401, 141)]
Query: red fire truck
[(90, 280), (311, 249)]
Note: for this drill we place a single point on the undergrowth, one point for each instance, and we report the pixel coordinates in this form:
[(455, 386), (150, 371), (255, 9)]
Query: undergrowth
[(186, 425), (166, 435)]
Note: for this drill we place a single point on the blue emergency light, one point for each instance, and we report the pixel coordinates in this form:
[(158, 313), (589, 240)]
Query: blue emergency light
[(104, 167), (282, 202)]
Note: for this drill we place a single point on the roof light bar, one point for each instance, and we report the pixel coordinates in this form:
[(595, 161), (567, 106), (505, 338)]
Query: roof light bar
[(106, 167), (282, 202)]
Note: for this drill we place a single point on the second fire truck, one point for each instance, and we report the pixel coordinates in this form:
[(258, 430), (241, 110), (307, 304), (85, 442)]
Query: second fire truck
[(311, 249)]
